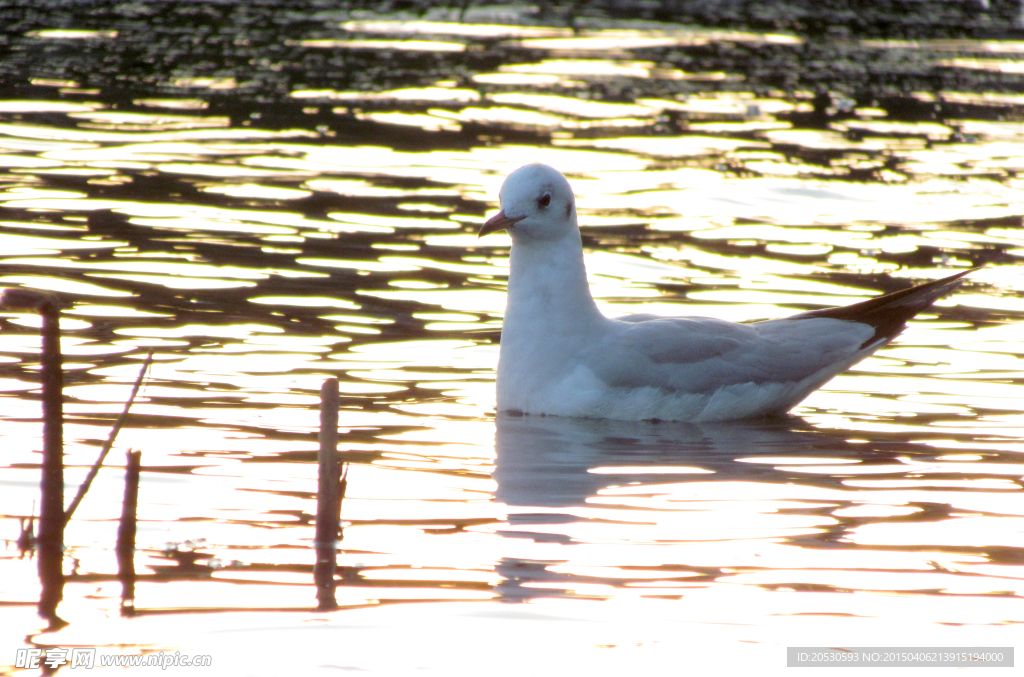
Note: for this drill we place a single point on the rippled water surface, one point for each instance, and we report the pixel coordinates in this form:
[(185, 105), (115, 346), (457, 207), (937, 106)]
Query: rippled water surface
[(256, 259)]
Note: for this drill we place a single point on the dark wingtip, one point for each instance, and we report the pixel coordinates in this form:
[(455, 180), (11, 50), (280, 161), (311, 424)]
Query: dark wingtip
[(890, 313)]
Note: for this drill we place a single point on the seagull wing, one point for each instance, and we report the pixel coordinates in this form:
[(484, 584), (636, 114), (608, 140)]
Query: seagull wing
[(702, 355)]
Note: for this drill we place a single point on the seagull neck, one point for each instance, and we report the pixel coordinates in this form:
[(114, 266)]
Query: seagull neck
[(548, 283)]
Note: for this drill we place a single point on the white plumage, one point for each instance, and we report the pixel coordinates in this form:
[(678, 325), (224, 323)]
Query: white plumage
[(560, 356)]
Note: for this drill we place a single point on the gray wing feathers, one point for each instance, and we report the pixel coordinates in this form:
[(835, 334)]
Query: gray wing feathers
[(700, 355), (685, 340), (704, 356)]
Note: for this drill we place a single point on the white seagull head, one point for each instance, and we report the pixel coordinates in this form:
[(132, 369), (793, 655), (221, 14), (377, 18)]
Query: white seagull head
[(536, 204)]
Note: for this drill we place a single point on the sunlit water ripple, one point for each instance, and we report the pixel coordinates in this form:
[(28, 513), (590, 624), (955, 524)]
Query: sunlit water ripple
[(256, 262)]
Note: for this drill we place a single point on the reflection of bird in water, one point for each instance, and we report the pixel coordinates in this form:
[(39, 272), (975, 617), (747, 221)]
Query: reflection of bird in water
[(546, 461), (561, 356), (554, 474)]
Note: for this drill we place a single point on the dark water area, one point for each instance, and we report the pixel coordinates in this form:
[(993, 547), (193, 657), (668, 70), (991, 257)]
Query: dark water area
[(256, 55), (268, 195)]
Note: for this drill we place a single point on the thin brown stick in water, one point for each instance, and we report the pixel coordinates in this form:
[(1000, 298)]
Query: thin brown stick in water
[(328, 487), (50, 542), (342, 488), (110, 441), (328, 504), (126, 532)]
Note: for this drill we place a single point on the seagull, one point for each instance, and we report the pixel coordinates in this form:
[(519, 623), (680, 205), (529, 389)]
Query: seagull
[(560, 356)]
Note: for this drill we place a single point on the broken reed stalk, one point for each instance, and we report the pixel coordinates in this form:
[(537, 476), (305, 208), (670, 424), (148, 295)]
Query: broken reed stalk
[(327, 487), (27, 536), (51, 510), (110, 440), (342, 488), (126, 531), (52, 516), (50, 541), (328, 504)]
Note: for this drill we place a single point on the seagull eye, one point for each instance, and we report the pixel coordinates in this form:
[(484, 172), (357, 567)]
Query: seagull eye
[(544, 200)]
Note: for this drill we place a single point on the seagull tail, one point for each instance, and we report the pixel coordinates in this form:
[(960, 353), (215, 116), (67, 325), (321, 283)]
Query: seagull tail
[(890, 313)]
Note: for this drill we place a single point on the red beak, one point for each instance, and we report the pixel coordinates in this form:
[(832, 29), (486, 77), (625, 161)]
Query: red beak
[(498, 222)]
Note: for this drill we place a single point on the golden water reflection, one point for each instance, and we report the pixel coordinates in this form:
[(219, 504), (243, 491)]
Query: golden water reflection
[(256, 262)]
